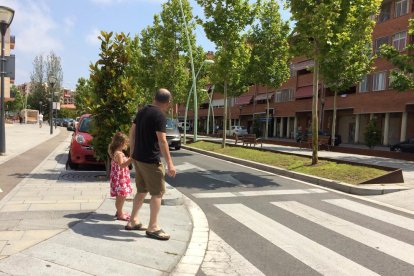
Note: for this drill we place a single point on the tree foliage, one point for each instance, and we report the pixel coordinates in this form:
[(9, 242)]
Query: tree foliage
[(225, 24), (164, 59), (114, 96), (323, 32), (372, 134), (403, 77), (40, 90), (84, 95), (18, 102), (270, 49)]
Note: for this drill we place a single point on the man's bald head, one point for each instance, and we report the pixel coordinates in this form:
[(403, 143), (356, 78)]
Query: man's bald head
[(162, 96)]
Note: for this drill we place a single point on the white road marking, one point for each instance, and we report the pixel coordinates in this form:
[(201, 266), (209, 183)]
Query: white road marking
[(258, 193), (378, 241), (375, 213), (325, 260), (222, 259)]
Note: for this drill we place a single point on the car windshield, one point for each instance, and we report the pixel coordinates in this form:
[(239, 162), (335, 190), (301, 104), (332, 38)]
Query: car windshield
[(85, 125), (170, 124)]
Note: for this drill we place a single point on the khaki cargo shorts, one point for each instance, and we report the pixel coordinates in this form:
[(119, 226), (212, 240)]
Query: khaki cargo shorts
[(149, 178)]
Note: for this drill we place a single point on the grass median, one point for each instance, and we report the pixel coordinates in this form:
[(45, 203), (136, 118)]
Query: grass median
[(352, 174)]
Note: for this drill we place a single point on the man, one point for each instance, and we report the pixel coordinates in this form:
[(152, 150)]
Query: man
[(147, 141)]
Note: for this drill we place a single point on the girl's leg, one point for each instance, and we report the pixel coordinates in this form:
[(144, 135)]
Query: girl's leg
[(119, 204)]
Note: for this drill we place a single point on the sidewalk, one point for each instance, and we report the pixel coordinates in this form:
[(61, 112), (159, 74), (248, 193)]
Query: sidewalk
[(58, 222), (401, 199)]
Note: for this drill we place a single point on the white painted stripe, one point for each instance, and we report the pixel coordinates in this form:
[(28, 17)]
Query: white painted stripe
[(378, 241), (375, 213), (318, 257), (221, 257), (258, 193)]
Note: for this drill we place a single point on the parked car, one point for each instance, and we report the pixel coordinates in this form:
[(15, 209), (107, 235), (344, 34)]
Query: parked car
[(303, 136), (405, 146), (65, 122), (71, 124), (181, 126), (80, 149), (173, 134), (237, 130)]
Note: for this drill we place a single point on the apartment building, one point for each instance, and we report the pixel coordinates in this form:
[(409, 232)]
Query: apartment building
[(290, 106)]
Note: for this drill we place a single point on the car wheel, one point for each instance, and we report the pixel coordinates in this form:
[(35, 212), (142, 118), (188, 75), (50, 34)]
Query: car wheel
[(72, 165), (177, 147)]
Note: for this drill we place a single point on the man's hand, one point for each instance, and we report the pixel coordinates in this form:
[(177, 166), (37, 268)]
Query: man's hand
[(171, 171)]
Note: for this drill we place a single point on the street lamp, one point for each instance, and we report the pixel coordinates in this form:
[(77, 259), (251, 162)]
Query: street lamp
[(6, 18), (193, 89), (52, 81)]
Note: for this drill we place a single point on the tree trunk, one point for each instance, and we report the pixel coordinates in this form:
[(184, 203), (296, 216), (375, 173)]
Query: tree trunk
[(223, 145), (315, 114), (334, 121), (267, 118)]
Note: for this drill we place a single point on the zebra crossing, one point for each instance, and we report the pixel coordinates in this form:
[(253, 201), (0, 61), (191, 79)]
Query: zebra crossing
[(321, 257)]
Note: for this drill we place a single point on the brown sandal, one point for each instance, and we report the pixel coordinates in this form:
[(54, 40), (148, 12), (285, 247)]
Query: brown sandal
[(158, 235), (136, 227)]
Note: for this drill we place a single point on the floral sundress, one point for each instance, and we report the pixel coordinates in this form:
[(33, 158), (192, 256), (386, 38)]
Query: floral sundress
[(120, 179)]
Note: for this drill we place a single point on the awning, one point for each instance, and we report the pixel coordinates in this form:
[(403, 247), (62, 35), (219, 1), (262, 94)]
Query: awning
[(262, 97), (67, 106), (303, 65), (244, 99), (304, 92)]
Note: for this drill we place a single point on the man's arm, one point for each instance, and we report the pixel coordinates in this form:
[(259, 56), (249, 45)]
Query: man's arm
[(132, 139), (165, 151)]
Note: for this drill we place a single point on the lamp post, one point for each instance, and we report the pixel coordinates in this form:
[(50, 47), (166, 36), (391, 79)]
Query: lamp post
[(52, 81), (193, 89), (6, 18)]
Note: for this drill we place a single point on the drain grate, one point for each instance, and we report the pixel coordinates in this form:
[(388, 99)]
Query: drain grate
[(82, 177)]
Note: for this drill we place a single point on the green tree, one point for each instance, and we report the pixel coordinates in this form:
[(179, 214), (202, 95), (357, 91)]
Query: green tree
[(84, 95), (43, 67), (403, 77), (164, 60), (18, 102), (225, 23), (372, 134), (114, 96), (270, 50), (315, 32), (348, 57)]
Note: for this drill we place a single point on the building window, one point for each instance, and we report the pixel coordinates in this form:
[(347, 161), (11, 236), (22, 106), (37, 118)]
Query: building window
[(380, 41), (385, 12), (284, 95), (363, 85), (378, 81), (401, 8), (399, 41)]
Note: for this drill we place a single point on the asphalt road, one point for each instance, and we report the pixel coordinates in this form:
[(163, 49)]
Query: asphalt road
[(281, 226)]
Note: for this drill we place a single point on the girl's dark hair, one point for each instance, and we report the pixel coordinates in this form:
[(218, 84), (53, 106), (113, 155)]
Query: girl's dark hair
[(118, 140)]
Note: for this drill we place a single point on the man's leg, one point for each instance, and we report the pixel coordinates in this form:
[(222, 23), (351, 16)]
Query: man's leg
[(155, 205), (137, 203)]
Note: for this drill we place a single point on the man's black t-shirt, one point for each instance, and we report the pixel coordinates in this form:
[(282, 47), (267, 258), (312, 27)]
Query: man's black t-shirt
[(148, 121)]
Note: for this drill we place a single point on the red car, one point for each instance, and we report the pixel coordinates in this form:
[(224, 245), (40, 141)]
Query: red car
[(80, 150)]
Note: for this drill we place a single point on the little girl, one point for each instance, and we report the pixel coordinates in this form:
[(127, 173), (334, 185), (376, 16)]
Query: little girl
[(119, 178)]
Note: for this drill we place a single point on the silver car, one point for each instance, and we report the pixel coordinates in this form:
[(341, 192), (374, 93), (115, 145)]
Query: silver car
[(173, 134)]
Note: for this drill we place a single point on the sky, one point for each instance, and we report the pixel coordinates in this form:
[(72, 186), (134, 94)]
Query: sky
[(70, 29)]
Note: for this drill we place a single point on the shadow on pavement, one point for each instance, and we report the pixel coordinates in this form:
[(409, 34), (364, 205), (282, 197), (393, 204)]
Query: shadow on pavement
[(93, 226)]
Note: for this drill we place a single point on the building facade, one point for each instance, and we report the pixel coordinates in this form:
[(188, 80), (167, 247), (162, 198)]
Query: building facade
[(9, 45), (290, 106)]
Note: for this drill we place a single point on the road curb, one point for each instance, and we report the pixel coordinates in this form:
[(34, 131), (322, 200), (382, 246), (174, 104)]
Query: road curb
[(368, 189)]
